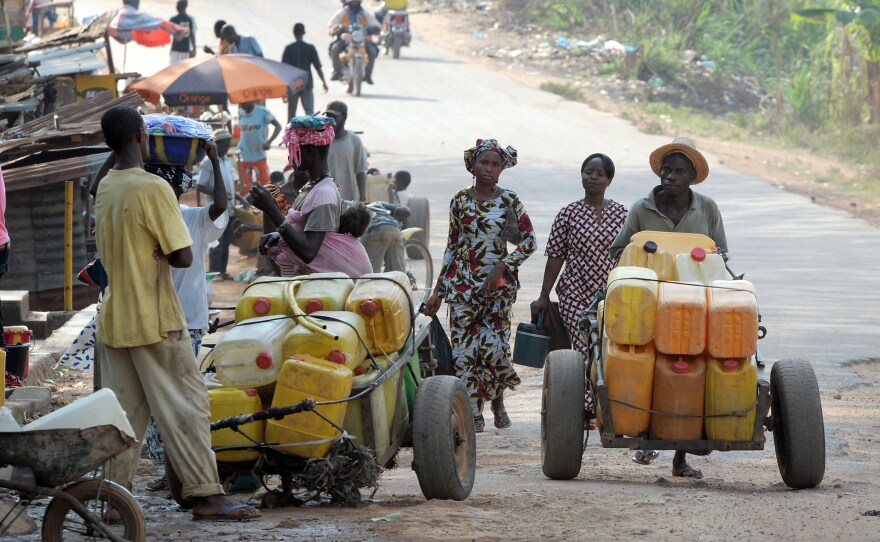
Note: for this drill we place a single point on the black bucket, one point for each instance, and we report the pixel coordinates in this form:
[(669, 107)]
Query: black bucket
[(18, 359), (531, 345)]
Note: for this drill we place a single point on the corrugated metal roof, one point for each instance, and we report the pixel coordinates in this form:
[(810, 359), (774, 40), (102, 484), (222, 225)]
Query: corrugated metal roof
[(79, 62)]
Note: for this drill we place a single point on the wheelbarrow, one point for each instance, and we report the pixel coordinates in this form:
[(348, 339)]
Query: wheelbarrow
[(53, 463)]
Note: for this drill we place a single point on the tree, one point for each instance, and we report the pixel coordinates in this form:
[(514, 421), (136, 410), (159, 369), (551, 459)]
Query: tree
[(861, 21)]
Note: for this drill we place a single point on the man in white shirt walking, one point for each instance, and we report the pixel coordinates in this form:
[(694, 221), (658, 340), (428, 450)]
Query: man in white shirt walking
[(218, 258)]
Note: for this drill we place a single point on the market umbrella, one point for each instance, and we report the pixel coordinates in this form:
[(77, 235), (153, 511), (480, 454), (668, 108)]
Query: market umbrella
[(129, 24), (214, 80)]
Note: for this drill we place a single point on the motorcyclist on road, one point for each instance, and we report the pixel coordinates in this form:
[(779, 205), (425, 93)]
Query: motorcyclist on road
[(353, 13), (390, 5)]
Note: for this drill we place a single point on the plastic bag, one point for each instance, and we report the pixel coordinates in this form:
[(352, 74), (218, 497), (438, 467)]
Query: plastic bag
[(441, 348)]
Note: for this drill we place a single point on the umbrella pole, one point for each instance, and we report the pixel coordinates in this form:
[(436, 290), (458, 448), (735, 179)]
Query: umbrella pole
[(124, 56)]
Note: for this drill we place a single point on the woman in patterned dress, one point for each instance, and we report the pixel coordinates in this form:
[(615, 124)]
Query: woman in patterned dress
[(479, 280), (580, 237)]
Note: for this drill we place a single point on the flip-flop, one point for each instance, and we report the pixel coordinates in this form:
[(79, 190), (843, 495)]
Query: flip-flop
[(479, 424), (645, 457), (688, 472), (224, 515)]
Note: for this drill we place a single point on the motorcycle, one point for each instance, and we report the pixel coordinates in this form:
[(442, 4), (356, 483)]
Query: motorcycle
[(395, 31), (354, 58)]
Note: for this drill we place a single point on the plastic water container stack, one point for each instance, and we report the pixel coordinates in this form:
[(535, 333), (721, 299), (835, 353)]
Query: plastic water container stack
[(682, 342), (309, 337)]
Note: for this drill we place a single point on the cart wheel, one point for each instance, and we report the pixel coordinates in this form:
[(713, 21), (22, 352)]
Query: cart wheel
[(420, 217), (798, 427), (444, 441), (175, 485), (562, 415), (61, 523)]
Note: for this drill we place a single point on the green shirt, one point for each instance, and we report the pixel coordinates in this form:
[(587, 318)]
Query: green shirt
[(702, 217)]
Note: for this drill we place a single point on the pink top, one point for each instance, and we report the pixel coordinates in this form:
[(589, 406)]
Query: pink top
[(338, 252), (4, 235)]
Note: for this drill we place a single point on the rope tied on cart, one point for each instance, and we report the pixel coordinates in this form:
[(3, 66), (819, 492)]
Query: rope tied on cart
[(735, 414)]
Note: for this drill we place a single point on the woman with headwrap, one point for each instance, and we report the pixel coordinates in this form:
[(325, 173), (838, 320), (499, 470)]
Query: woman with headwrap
[(479, 278), (311, 224)]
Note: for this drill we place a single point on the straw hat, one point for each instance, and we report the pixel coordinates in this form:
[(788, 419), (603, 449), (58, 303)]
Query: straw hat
[(687, 147)]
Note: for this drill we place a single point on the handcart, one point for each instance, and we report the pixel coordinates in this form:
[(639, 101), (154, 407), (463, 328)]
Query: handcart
[(53, 463), (788, 404), (429, 413)]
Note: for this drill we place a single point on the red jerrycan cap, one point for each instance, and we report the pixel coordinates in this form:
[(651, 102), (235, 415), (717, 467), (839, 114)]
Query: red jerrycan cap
[(251, 392), (262, 306), (314, 305), (698, 254), (681, 366), (730, 365), (264, 360), (336, 357), (369, 307), (358, 371)]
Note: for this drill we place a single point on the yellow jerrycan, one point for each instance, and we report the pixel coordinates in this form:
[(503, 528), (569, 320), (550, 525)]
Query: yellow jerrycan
[(384, 301), (733, 319), (306, 377), (648, 255), (681, 319), (263, 297), (323, 292), (731, 386), (629, 377), (226, 402), (339, 342), (631, 305), (699, 266), (679, 390)]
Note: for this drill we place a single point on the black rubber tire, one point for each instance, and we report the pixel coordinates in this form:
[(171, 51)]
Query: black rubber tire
[(98, 496), (423, 272), (396, 44), (444, 440), (175, 486), (562, 415), (798, 425), (420, 217)]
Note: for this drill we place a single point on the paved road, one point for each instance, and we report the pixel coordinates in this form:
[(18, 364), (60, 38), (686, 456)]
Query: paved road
[(813, 267)]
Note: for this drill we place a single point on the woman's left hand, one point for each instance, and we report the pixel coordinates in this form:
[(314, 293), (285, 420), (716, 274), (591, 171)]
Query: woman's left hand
[(262, 199), (494, 280)]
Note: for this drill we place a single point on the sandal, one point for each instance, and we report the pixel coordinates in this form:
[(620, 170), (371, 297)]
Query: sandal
[(687, 471), (479, 424), (159, 484), (502, 420), (645, 457)]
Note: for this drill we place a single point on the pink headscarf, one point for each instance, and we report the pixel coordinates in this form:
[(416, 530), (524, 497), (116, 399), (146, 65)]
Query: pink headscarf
[(310, 130)]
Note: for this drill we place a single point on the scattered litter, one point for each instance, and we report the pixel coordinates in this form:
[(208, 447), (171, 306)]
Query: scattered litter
[(614, 46), (875, 513), (479, 36), (389, 517)]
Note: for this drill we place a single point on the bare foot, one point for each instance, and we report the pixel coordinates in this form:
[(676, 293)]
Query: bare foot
[(221, 507), (681, 468)]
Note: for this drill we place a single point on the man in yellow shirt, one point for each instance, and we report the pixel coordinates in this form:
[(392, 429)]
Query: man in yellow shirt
[(145, 352)]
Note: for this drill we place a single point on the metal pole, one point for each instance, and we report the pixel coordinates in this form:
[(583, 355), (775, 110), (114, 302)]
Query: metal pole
[(68, 245), (6, 24)]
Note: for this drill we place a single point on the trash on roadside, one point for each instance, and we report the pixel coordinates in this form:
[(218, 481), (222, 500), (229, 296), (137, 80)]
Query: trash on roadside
[(389, 517)]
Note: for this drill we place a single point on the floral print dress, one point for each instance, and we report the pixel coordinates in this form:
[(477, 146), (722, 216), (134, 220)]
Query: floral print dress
[(480, 322)]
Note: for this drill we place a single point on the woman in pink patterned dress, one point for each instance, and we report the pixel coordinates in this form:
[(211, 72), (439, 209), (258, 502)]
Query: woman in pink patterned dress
[(580, 237)]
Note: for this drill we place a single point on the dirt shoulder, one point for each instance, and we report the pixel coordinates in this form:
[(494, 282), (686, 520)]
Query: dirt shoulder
[(476, 37)]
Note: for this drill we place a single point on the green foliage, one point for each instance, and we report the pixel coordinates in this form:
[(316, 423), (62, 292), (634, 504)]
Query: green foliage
[(565, 90)]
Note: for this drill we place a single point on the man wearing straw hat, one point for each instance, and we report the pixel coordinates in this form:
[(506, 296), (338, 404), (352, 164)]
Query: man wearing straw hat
[(673, 207)]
